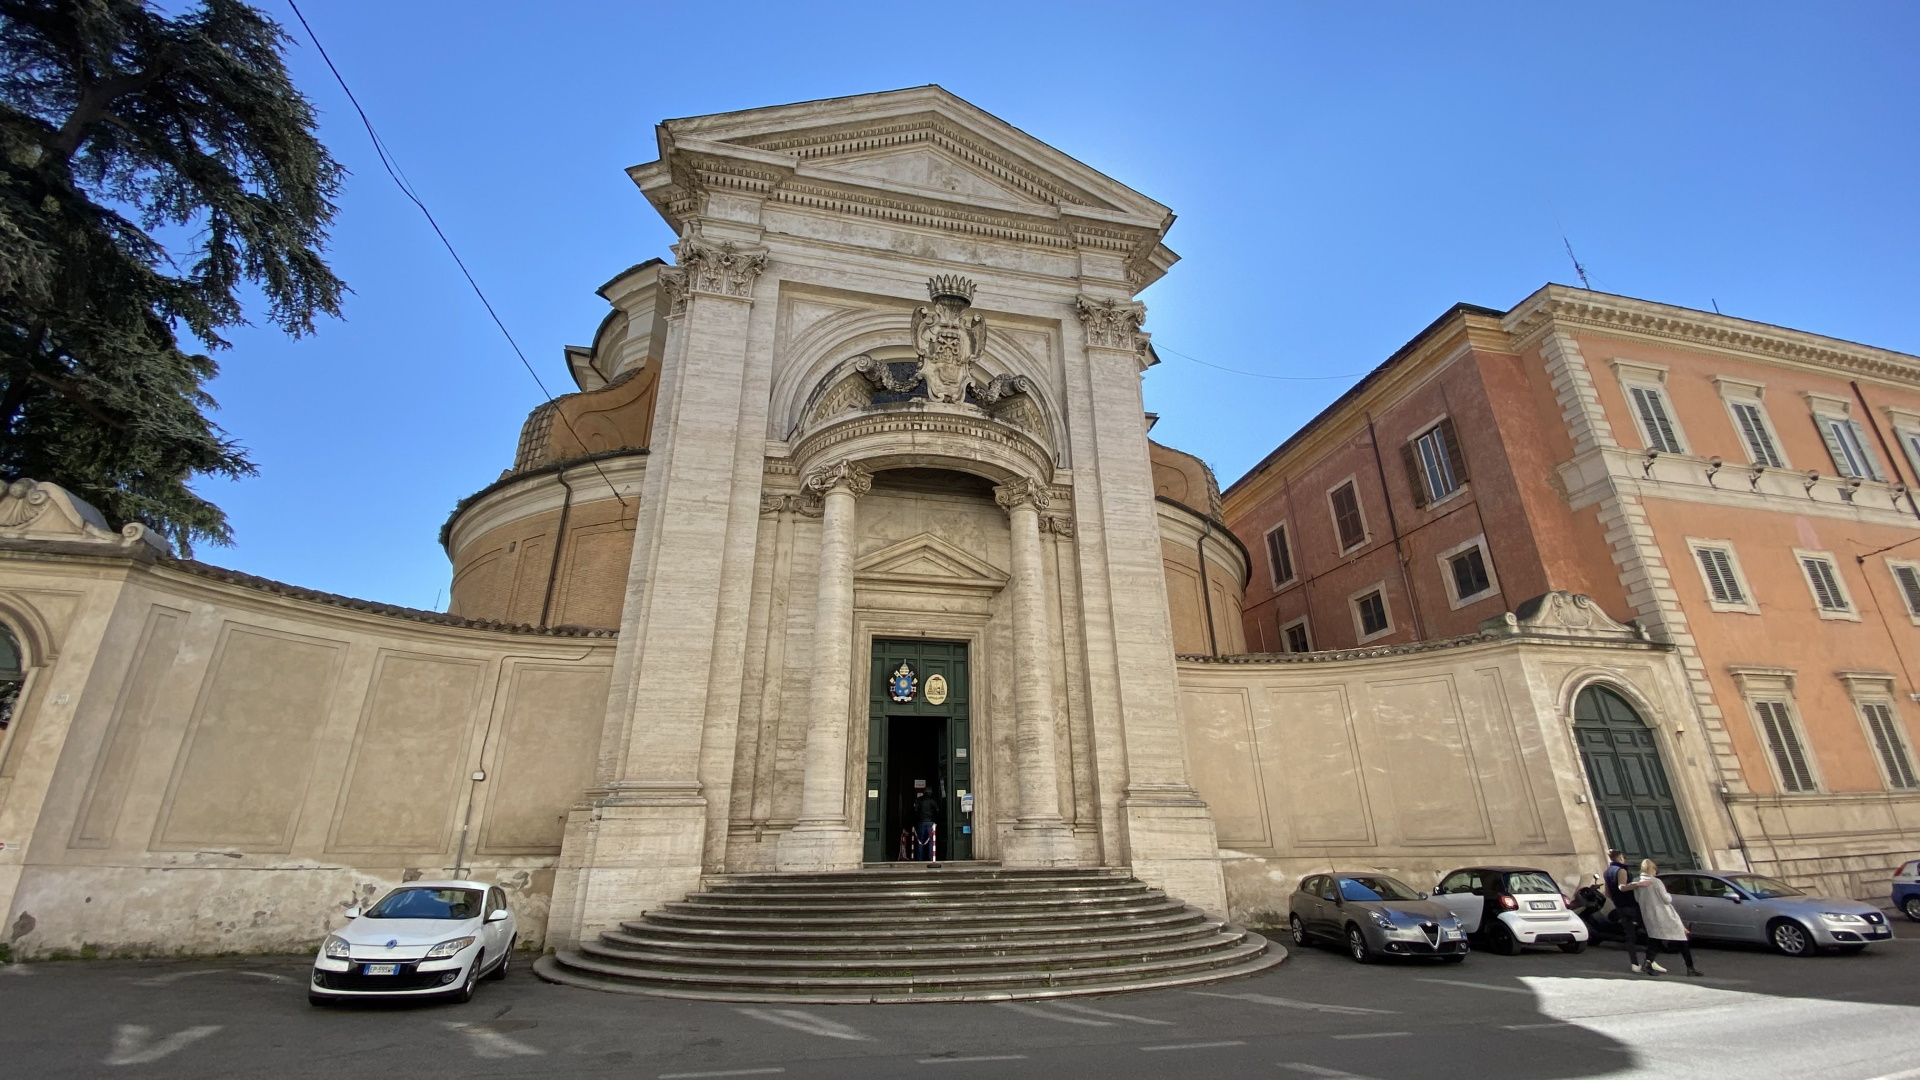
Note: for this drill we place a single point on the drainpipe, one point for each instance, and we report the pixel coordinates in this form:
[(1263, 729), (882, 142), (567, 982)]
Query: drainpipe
[(1399, 553), (1206, 588), (559, 538)]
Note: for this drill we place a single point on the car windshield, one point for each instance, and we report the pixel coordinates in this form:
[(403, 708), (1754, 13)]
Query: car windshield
[(1374, 888), (427, 904), (1531, 881), (1763, 888)]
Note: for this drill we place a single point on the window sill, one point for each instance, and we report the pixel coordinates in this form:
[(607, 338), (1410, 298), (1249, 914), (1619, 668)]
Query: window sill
[(1447, 498), (1455, 603), (1840, 616), (1734, 609), (1375, 636)]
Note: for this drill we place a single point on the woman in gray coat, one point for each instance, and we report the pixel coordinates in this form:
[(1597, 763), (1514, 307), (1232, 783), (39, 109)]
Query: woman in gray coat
[(1664, 927)]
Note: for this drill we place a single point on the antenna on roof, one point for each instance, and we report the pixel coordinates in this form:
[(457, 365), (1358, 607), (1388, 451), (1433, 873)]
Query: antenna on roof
[(1577, 268)]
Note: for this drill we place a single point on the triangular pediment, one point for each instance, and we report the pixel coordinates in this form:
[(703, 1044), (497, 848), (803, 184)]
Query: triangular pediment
[(928, 560), (899, 150)]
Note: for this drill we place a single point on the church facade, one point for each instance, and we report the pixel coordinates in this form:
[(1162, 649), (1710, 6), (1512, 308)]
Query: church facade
[(855, 505)]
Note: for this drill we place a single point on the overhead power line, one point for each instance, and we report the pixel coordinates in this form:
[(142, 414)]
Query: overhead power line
[(1158, 347), (392, 167)]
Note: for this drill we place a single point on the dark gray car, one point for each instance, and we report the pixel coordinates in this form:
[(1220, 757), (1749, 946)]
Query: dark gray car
[(1374, 915), (1750, 907)]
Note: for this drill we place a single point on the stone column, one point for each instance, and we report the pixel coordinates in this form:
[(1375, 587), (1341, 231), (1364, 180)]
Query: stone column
[(1040, 836), (824, 839)]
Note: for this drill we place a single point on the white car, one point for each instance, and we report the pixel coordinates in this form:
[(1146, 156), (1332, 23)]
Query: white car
[(423, 939), (1511, 906)]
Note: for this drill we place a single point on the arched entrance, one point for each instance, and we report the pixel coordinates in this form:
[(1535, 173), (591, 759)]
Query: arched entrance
[(12, 674), (1628, 780)]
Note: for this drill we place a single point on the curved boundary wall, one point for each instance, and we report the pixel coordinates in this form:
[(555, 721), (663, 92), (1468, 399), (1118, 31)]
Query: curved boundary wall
[(204, 762)]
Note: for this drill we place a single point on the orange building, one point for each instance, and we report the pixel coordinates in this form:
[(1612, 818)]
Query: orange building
[(1739, 490)]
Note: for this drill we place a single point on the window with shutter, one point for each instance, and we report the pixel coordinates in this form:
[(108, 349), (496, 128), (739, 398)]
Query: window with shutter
[(1434, 464), (1910, 441), (1753, 428), (1652, 408), (1347, 521), (1825, 584), (1783, 742), (1908, 578), (1722, 584), (1279, 556), (1847, 444), (1885, 729)]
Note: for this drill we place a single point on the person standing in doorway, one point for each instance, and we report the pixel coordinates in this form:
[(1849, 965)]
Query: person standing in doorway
[(1626, 911), (927, 809), (1664, 928)]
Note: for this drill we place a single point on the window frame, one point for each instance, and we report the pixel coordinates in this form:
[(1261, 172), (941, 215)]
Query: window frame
[(1896, 731), (1894, 566), (1906, 433), (1451, 456), (1829, 409), (1749, 604), (1360, 511), (1735, 393), (1445, 561), (1360, 634), (1305, 627), (1775, 686), (1852, 611), (1652, 378), (1286, 546)]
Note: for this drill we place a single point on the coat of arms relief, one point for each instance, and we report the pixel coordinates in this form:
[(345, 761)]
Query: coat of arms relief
[(948, 341)]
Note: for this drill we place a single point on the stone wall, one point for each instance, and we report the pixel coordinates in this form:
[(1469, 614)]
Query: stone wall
[(1415, 760), (206, 762)]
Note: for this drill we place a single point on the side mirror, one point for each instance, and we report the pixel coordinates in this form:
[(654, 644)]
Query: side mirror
[(1423, 896), (497, 915), (1735, 897), (353, 913)]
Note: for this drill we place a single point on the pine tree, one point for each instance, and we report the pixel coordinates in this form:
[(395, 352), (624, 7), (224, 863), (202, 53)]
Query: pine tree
[(122, 129)]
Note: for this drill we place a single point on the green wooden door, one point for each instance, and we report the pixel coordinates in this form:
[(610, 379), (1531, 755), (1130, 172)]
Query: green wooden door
[(924, 660), (1629, 782)]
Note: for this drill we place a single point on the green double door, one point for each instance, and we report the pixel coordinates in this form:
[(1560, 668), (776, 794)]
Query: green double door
[(1629, 782), (919, 742)]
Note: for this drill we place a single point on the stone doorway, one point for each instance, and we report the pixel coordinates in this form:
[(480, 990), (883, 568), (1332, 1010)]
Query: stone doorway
[(1629, 781), (919, 730)]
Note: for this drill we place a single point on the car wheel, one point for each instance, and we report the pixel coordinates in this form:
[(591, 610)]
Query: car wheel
[(1298, 929), (1790, 938), (1573, 946), (506, 959), (465, 993), (1501, 940), (1912, 908), (1357, 946)]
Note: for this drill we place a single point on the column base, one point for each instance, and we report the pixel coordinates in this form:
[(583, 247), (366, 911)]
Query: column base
[(1171, 846), (623, 860), (819, 848), (1040, 844)]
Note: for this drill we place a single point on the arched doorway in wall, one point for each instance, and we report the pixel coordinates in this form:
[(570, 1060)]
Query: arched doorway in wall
[(12, 674), (1628, 780)]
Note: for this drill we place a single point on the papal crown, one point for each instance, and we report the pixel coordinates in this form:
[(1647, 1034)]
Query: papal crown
[(950, 285)]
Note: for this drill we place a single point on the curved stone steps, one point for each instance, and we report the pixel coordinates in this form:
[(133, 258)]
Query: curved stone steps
[(913, 934)]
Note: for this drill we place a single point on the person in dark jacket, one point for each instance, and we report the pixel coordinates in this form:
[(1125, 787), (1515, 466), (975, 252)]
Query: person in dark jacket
[(927, 809), (1626, 911)]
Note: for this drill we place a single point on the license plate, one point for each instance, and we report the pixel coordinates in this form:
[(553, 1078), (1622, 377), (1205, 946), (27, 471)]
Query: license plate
[(383, 969), (1540, 905)]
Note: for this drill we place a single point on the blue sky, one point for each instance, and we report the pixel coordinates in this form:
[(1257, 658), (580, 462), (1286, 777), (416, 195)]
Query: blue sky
[(1342, 174)]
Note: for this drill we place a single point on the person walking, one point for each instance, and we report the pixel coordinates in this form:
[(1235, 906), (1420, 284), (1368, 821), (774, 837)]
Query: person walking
[(1626, 910), (1663, 924), (926, 836)]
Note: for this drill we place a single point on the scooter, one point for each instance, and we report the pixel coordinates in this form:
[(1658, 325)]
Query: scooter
[(1590, 903)]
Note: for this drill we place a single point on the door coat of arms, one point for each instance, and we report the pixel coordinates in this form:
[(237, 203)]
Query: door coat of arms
[(903, 684)]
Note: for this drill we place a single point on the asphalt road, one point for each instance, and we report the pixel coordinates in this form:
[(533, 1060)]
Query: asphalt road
[(1755, 1016)]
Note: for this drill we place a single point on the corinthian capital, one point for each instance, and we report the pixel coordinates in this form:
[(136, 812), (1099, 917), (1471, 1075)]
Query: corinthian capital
[(1113, 324), (1023, 492), (850, 475), (723, 269)]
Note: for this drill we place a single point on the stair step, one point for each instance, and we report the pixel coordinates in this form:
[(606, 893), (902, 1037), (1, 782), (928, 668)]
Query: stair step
[(913, 934)]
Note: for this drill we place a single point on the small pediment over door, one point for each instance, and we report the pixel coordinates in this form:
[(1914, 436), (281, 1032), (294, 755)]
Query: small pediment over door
[(927, 560)]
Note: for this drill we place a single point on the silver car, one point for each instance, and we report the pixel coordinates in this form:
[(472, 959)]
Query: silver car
[(1749, 907), (1374, 915)]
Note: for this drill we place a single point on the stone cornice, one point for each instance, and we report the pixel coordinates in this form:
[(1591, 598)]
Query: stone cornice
[(1579, 310)]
